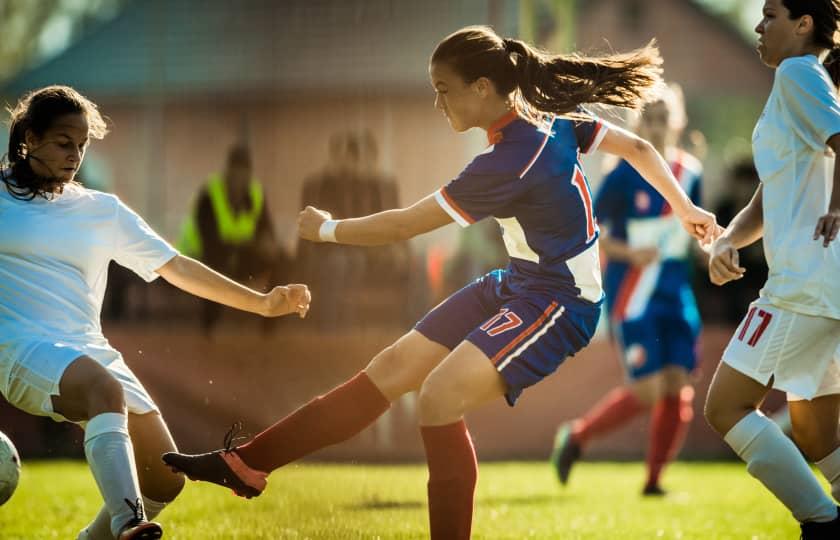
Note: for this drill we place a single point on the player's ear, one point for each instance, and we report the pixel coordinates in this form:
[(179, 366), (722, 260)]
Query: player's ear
[(483, 87)]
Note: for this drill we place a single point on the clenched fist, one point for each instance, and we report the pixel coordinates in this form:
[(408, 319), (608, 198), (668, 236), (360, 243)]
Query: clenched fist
[(286, 299), (309, 223)]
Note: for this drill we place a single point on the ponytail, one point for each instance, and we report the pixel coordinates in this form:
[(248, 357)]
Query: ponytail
[(552, 84), (561, 83)]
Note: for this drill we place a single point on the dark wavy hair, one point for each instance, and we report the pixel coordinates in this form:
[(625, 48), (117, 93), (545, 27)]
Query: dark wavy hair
[(826, 16), (552, 83), (36, 112)]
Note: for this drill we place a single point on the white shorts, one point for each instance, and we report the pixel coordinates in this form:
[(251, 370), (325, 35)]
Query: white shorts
[(797, 351), (30, 372)]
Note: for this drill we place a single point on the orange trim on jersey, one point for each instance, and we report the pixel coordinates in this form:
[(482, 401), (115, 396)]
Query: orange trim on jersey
[(625, 292), (451, 202), (525, 333), (494, 134)]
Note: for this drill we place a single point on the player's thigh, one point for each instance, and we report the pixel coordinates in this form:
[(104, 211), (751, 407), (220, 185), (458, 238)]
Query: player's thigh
[(814, 425), (151, 438), (86, 389), (403, 366), (731, 396), (649, 388), (465, 379), (674, 379)]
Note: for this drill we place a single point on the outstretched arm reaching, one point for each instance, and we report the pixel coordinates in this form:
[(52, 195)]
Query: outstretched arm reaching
[(195, 278), (376, 229)]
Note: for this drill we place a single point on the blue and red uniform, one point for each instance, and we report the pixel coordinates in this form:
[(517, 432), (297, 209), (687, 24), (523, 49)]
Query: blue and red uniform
[(544, 306), (652, 311)]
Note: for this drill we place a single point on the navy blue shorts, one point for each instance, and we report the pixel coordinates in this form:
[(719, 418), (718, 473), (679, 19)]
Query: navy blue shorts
[(526, 335), (666, 335)]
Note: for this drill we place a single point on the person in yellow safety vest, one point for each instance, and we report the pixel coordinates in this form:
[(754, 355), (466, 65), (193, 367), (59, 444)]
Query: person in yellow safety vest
[(229, 228)]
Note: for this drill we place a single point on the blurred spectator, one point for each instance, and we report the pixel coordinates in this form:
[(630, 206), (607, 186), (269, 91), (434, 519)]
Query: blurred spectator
[(230, 230), (355, 279)]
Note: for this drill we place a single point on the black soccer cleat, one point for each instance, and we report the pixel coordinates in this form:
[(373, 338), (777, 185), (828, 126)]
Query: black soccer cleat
[(653, 490), (138, 528), (223, 467), (830, 530), (566, 451)]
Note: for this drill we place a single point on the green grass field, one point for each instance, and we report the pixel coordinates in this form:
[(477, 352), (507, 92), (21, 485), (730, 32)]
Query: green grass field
[(514, 501)]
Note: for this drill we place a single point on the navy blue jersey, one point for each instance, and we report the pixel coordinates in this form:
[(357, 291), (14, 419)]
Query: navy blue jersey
[(531, 181), (634, 212)]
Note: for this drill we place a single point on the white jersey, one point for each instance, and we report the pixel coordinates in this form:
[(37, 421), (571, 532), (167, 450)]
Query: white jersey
[(789, 146), (54, 257)]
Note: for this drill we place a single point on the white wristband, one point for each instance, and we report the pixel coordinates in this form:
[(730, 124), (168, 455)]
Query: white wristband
[(327, 230)]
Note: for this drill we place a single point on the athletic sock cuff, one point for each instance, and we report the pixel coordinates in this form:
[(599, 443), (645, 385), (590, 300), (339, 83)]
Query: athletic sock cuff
[(746, 430), (106, 423)]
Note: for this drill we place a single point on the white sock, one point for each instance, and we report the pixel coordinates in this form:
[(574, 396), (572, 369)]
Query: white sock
[(153, 508), (111, 459), (99, 528), (830, 467), (774, 460)]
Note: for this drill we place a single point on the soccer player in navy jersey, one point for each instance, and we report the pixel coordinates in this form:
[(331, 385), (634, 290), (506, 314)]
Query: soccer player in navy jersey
[(652, 313), (510, 328)]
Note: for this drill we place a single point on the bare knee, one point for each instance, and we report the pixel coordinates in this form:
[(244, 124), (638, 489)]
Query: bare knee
[(402, 367), (439, 401), (105, 395)]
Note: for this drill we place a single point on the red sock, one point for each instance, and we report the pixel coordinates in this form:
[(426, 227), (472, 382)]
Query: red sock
[(453, 472), (669, 424), (614, 409), (329, 419)]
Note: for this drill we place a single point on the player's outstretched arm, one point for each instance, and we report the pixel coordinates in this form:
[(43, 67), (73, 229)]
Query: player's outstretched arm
[(746, 228), (376, 229), (646, 160), (195, 278), (829, 224)]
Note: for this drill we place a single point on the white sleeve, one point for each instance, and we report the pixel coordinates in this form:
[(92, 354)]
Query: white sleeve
[(809, 97), (137, 246)]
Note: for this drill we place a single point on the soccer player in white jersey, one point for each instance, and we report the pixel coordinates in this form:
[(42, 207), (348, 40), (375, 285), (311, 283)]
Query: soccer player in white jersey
[(789, 334), (54, 360)]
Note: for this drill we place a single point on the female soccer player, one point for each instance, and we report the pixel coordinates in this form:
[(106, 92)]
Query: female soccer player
[(510, 328), (54, 361), (788, 337), (653, 315)]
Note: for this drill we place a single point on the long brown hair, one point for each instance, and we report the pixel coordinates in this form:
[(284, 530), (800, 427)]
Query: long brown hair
[(826, 16), (36, 112), (552, 83)]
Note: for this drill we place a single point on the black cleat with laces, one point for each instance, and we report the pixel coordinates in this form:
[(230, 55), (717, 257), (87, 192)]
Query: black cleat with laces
[(223, 467), (830, 530), (138, 528)]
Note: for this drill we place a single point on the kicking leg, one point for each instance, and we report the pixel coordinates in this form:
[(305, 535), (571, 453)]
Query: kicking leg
[(326, 420)]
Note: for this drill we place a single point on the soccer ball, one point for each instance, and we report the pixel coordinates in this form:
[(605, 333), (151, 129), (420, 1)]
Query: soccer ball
[(9, 468)]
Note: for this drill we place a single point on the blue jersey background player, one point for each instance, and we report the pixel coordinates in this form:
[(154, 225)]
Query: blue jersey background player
[(511, 328), (651, 309)]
